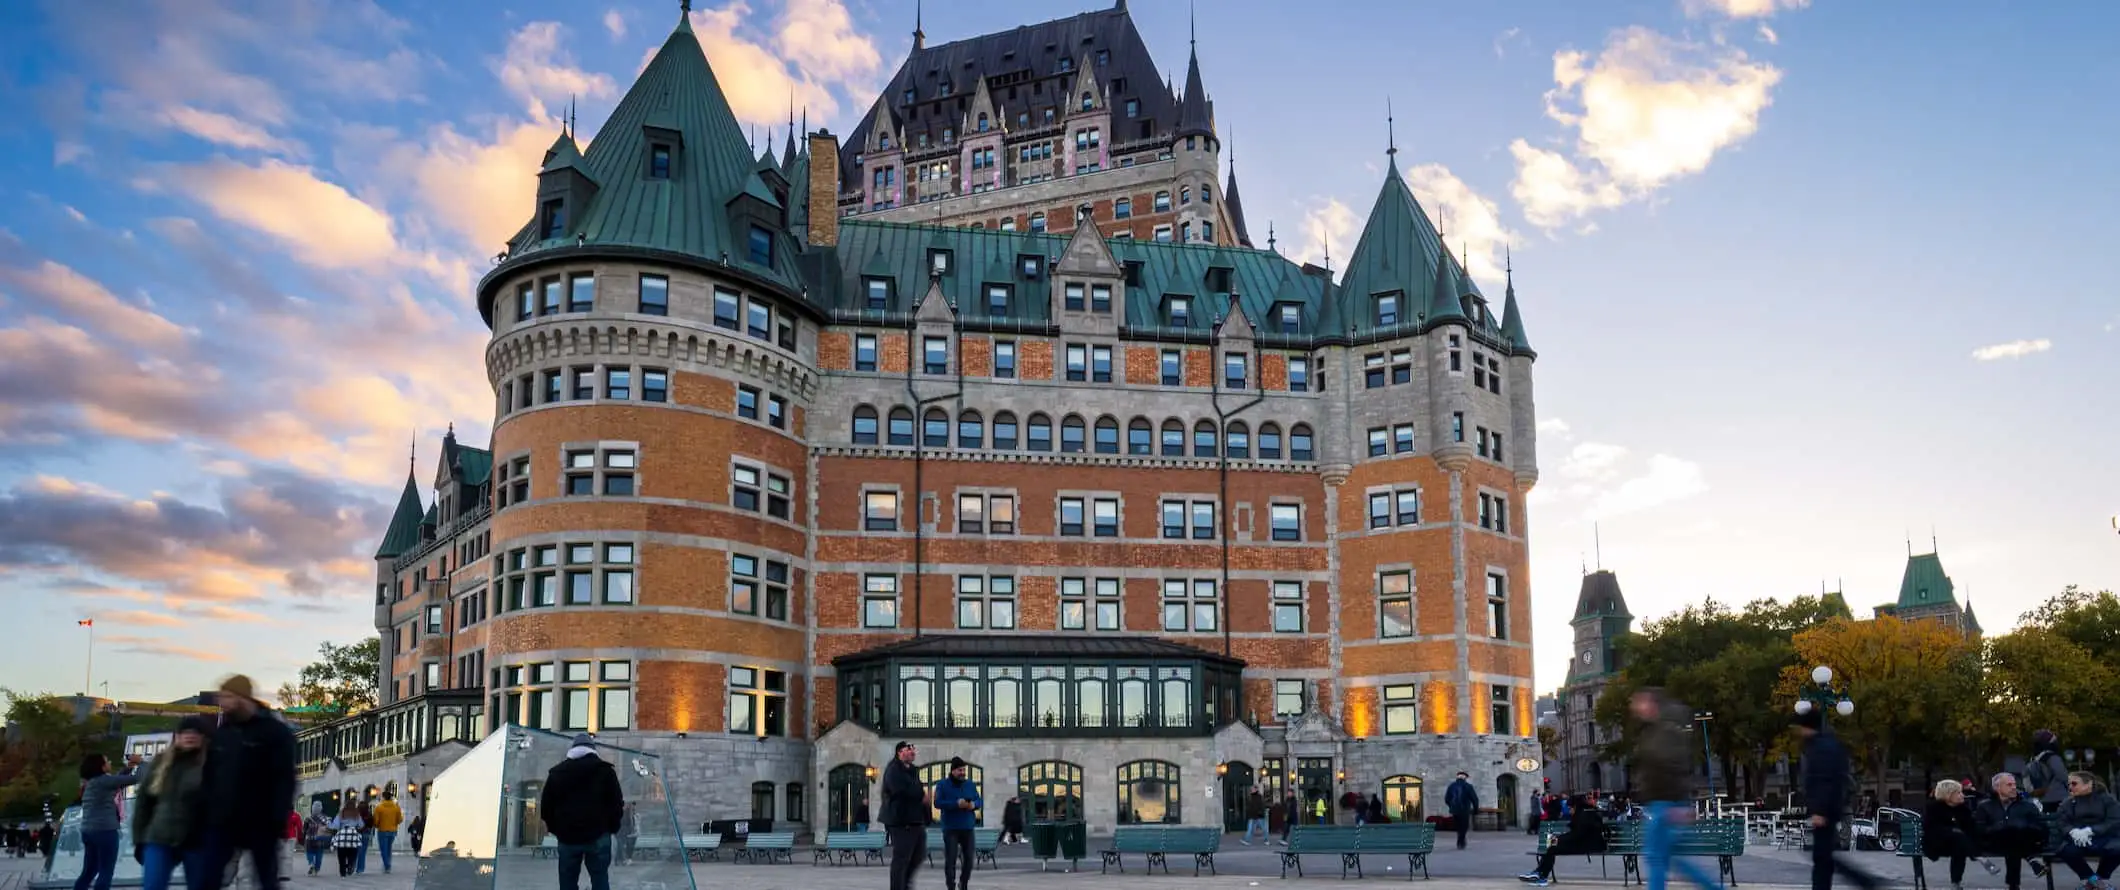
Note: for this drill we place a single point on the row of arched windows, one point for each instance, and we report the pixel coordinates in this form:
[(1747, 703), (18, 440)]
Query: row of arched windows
[(1140, 438)]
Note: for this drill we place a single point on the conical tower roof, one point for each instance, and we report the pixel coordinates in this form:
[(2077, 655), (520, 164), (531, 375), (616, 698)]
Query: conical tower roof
[(1235, 205), (1195, 117), (404, 531), (1399, 251), (1513, 319)]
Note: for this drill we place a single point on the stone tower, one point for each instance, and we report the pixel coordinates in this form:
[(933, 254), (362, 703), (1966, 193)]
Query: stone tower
[(1601, 618)]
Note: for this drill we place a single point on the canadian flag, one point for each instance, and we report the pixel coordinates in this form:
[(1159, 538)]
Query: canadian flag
[(86, 622)]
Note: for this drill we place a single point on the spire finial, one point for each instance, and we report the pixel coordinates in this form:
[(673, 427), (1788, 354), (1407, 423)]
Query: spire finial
[(1597, 543), (806, 121), (1271, 243), (412, 457), (684, 6), (1391, 130), (919, 33), (1192, 26)]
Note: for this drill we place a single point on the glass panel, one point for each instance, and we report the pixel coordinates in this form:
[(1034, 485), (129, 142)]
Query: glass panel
[(483, 819)]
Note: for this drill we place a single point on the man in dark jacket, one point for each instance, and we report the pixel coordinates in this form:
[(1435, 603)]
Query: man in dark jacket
[(958, 799), (1827, 779), (1663, 774), (249, 782), (1254, 816), (583, 807), (2045, 776), (2012, 827), (1585, 834), (904, 814), (1462, 801)]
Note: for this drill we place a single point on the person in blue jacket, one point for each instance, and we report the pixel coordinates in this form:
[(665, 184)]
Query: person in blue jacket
[(958, 799)]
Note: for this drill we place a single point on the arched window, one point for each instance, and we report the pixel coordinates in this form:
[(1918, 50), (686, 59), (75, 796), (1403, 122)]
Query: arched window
[(1402, 798), (1038, 221), (971, 430), (1140, 437), (935, 429), (1004, 431), (1107, 435), (1090, 684), (1204, 439), (1163, 202), (1239, 443), (1207, 193), (1038, 434), (865, 423), (1089, 100), (1051, 791), (1299, 443), (1071, 434), (933, 774), (1269, 441), (1173, 438), (901, 426), (1148, 793), (983, 124), (1185, 195)]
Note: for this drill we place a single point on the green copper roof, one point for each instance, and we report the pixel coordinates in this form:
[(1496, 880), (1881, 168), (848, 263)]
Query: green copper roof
[(687, 213), (476, 464), (1513, 321), (404, 531), (563, 154), (1398, 252), (1925, 583)]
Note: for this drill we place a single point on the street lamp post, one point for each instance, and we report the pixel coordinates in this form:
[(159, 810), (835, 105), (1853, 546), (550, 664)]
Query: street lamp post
[(1707, 753), (1823, 695)]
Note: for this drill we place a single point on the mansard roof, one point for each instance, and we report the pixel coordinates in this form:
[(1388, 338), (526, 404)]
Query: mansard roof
[(1600, 597), (1022, 67), (1925, 583)]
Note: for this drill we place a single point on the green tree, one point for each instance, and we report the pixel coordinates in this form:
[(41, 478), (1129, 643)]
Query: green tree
[(2037, 677), (341, 682), (45, 745), (1911, 682)]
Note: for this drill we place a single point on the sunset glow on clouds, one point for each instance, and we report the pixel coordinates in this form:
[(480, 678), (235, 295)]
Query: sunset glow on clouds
[(235, 286)]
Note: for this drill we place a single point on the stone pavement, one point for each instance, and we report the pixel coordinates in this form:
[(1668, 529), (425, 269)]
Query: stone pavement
[(1489, 863)]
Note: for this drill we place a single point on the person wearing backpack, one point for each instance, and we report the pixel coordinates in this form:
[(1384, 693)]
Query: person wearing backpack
[(2045, 776)]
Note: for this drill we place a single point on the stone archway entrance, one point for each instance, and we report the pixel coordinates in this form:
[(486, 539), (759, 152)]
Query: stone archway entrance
[(1236, 789)]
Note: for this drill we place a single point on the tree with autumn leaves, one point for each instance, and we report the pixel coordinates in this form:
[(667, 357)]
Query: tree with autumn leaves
[(1923, 693)]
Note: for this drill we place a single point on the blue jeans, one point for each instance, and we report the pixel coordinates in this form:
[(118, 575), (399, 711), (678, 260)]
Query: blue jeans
[(158, 862), (1251, 825), (316, 856), (383, 840), (99, 855), (360, 865), (596, 854), (1657, 837)]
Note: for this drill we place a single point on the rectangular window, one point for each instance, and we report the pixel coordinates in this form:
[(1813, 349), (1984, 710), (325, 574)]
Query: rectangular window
[(879, 601), (1106, 517), (743, 584), (1402, 366), (1290, 697), (1395, 604), (1179, 310), (1077, 362), (1401, 710), (654, 385), (618, 383), (1100, 364), (1387, 309), (1287, 522), (758, 320), (654, 295), (1402, 438), (1298, 375), (1503, 716), (865, 352), (1373, 370), (747, 402), (552, 297), (1108, 603), (1173, 367), (1071, 517), (761, 244), (1379, 441), (1409, 507), (1004, 358), (581, 293), (1236, 370), (971, 514), (1497, 606), (935, 353), (1074, 604), (1073, 296), (776, 412), (879, 294), (728, 310), (584, 384), (1288, 607), (1497, 449), (658, 161), (1380, 509), (879, 511), (1100, 298), (1457, 426), (997, 301), (1189, 605), (986, 602)]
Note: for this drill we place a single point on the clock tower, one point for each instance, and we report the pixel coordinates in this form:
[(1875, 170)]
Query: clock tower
[(1601, 618)]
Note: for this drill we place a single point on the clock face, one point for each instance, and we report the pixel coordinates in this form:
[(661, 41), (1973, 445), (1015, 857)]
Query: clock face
[(1586, 656)]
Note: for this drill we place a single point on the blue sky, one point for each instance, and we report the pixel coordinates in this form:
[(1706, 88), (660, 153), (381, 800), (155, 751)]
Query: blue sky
[(1806, 279)]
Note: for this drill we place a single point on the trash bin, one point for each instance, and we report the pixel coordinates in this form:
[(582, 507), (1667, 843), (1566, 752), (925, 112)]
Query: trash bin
[(1045, 840), (1074, 841)]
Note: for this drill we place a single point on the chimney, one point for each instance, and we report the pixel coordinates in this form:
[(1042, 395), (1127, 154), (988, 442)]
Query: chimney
[(824, 189)]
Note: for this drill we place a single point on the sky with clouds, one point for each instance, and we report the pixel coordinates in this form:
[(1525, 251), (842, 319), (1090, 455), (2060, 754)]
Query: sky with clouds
[(1806, 279)]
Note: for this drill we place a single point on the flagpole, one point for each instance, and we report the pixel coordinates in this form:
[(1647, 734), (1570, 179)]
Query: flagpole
[(88, 674)]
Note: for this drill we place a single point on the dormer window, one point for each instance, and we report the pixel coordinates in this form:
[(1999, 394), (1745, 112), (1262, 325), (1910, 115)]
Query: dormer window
[(997, 296), (658, 161), (1030, 266), (883, 140), (554, 214), (761, 244), (1089, 100), (910, 95), (1179, 311), (939, 262), (1218, 278), (1133, 273), (879, 294), (1387, 309), (1066, 64), (1104, 57), (1289, 317), (984, 124)]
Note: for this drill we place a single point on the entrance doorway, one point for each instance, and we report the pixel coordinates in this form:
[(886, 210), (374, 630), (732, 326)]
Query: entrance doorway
[(1506, 800), (1236, 789), (847, 797), (1314, 785), (1402, 798)]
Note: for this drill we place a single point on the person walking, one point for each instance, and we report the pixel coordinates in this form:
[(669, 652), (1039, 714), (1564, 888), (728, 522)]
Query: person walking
[(346, 836), (2045, 776), (2011, 826), (628, 833), (316, 836), (1289, 814), (582, 807), (958, 799), (1948, 829), (290, 841), (386, 818), (861, 815), (102, 793), (905, 812), (1462, 800), (416, 831), (2090, 822), (1254, 816), (1585, 834), (1827, 779), (166, 823), (1012, 821), (250, 784), (1663, 774)]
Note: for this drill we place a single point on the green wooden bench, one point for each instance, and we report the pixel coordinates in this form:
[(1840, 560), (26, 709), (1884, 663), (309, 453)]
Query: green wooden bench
[(842, 847), (1415, 840), (1722, 838), (1548, 832), (768, 847), (984, 842), (1157, 842), (701, 847), (2055, 837), (1910, 848)]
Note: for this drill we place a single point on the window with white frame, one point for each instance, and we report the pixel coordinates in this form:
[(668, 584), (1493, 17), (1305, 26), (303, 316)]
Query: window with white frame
[(1395, 604), (1402, 713), (987, 602), (1189, 605), (1288, 607), (1290, 697), (1287, 522)]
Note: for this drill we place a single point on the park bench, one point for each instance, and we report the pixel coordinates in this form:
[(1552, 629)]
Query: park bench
[(1616, 836), (984, 842), (701, 847), (2055, 837), (842, 847), (1722, 838), (1413, 839), (1157, 842), (652, 846), (547, 850), (1910, 848), (768, 847)]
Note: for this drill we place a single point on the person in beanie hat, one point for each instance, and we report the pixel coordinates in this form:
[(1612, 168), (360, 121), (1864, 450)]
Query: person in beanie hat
[(959, 801), (250, 785), (582, 807), (2045, 776), (1827, 781), (166, 828), (905, 814)]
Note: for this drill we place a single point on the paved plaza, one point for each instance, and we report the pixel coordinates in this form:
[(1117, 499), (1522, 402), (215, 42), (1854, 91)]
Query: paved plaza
[(1489, 864)]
